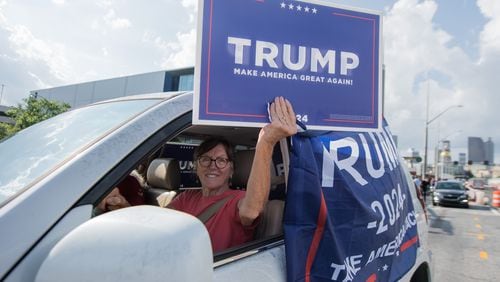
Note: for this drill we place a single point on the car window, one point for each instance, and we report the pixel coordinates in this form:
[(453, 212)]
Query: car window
[(449, 186), (161, 189), (57, 139)]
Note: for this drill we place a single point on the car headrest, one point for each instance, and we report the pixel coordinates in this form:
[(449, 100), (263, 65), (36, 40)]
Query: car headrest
[(243, 164), (164, 173)]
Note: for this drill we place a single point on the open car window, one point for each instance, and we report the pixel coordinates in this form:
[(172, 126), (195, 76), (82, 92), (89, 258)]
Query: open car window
[(175, 156)]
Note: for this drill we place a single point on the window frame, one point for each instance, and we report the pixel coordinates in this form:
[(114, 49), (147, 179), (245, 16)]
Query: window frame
[(151, 145)]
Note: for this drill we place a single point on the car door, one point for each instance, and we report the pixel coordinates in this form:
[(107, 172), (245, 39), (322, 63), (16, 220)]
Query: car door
[(35, 221)]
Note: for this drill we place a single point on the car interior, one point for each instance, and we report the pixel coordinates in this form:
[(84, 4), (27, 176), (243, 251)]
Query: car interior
[(168, 171)]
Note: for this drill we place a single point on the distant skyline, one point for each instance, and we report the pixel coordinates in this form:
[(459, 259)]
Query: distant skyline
[(480, 150), (446, 50)]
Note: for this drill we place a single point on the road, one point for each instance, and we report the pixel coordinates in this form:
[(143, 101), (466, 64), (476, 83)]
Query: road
[(465, 243)]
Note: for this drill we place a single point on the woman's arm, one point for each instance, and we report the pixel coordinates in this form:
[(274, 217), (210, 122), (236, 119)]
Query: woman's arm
[(282, 125)]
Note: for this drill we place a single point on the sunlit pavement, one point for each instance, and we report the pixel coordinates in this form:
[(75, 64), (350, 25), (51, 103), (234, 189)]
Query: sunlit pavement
[(464, 242)]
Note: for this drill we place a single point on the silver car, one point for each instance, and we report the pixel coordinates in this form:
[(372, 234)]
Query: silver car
[(56, 172), (450, 192)]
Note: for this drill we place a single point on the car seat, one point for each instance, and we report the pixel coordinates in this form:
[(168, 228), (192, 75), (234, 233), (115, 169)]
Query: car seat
[(271, 220), (162, 181)]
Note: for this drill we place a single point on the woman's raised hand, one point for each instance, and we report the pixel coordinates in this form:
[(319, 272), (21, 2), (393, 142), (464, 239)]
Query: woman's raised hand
[(282, 122)]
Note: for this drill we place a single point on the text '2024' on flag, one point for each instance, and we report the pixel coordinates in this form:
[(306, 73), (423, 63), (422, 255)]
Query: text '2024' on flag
[(349, 214)]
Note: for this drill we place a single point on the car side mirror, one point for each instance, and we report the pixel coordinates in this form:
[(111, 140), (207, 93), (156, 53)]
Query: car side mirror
[(142, 243)]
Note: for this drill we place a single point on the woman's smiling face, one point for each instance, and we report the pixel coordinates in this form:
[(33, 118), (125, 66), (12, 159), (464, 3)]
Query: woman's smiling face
[(212, 177)]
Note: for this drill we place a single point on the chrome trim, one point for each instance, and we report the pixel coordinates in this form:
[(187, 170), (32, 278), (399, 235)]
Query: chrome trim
[(248, 253)]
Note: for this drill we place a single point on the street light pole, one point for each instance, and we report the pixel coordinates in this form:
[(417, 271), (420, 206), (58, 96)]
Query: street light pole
[(1, 94), (424, 169), (427, 122)]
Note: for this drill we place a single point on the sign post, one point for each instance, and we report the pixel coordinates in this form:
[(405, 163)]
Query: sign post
[(325, 59)]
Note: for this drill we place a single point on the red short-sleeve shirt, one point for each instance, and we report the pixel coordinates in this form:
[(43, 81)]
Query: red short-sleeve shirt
[(225, 226), (131, 189)]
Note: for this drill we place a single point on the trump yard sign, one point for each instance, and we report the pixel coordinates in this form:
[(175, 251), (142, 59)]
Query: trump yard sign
[(325, 59)]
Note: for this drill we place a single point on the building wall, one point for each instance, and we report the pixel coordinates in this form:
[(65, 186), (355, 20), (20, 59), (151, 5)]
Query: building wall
[(80, 94), (462, 159), (476, 149), (489, 151)]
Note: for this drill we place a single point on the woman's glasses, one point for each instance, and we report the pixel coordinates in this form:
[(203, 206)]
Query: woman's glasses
[(220, 163)]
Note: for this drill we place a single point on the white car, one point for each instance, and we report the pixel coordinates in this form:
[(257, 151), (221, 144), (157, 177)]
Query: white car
[(55, 173)]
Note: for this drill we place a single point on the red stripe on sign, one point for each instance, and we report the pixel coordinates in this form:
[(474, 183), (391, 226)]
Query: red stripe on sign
[(372, 278), (409, 243), (318, 233)]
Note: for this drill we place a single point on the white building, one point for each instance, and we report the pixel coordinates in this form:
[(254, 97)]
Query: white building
[(89, 92)]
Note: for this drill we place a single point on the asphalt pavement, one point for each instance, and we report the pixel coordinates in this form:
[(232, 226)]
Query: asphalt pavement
[(464, 242)]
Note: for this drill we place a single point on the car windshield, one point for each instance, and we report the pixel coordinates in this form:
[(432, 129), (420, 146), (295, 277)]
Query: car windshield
[(38, 149), (449, 186)]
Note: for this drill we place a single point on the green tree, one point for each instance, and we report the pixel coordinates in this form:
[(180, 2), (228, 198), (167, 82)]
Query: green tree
[(32, 111), (4, 130)]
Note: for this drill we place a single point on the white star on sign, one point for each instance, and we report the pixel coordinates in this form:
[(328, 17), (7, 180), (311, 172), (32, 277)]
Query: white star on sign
[(283, 5), (299, 8), (314, 10), (290, 6), (385, 267), (306, 9)]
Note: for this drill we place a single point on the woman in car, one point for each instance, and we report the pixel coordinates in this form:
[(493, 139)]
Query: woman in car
[(232, 215)]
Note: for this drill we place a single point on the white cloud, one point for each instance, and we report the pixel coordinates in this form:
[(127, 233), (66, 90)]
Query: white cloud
[(490, 36), (104, 3), (115, 22), (414, 47), (489, 8), (176, 54), (192, 7), (34, 53), (420, 57), (95, 25), (28, 47), (192, 4), (420, 60), (3, 20), (39, 82), (120, 23)]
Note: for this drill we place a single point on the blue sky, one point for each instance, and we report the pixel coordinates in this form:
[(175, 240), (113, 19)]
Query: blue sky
[(447, 49)]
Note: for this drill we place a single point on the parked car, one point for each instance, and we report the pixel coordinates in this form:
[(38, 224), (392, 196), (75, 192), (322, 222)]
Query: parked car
[(56, 172), (450, 192), (478, 183)]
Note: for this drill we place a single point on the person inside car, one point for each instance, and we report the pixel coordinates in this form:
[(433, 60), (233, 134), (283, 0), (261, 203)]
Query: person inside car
[(231, 216), (127, 193)]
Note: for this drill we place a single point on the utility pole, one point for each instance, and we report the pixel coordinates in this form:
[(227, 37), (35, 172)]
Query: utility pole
[(1, 94), (427, 122)]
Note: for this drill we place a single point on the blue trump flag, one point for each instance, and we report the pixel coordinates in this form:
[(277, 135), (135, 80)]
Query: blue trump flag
[(349, 215)]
